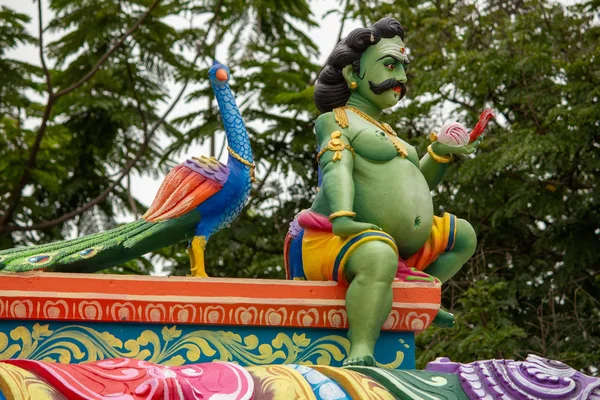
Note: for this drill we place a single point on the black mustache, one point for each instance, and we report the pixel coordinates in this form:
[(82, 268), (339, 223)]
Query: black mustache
[(388, 84)]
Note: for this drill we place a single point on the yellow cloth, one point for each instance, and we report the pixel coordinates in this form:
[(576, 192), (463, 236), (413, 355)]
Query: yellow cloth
[(324, 255), (441, 239)]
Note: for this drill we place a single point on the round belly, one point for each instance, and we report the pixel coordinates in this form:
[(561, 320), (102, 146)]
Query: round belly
[(395, 196)]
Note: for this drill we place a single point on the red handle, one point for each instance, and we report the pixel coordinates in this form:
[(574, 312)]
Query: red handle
[(484, 118)]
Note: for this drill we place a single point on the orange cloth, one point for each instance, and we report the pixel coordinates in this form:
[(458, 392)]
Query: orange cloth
[(441, 239)]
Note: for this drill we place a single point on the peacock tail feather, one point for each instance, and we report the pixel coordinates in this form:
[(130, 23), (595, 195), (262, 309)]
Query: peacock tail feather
[(101, 250)]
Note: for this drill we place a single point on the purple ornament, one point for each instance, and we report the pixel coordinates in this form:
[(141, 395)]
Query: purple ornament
[(209, 167), (533, 379), (295, 227)]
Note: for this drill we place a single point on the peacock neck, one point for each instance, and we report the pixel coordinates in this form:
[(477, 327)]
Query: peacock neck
[(235, 129)]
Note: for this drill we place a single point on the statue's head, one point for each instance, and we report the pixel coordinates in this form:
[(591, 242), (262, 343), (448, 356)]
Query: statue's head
[(218, 74), (372, 57)]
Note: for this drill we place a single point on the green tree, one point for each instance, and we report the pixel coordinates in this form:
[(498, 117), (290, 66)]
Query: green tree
[(104, 79), (531, 192)]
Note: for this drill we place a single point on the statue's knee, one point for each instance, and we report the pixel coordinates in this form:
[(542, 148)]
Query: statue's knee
[(466, 238), (376, 261)]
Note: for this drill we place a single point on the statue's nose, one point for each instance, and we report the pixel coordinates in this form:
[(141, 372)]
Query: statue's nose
[(401, 76)]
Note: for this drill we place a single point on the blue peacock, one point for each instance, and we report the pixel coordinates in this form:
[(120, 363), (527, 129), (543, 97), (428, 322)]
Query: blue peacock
[(197, 198)]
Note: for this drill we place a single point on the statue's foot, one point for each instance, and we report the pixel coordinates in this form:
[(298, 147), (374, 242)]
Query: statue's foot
[(406, 274), (367, 361), (360, 354), (443, 319)]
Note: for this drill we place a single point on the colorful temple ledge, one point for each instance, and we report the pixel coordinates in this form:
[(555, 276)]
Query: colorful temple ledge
[(130, 379)]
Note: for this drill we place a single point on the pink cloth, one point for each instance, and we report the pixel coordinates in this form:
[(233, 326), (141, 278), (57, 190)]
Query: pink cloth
[(406, 274), (311, 220)]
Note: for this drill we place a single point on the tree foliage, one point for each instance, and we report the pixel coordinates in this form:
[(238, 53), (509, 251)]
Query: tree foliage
[(531, 192)]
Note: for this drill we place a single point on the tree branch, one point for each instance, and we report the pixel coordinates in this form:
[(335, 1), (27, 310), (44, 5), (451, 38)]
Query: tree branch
[(271, 167), (130, 164), (130, 198), (138, 104), (343, 21), (42, 58), (199, 51), (459, 102), (16, 194), (264, 180), (85, 207), (363, 17), (109, 53), (222, 147)]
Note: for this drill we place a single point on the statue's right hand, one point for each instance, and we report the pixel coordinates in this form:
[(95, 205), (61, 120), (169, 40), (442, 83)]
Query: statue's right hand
[(346, 226)]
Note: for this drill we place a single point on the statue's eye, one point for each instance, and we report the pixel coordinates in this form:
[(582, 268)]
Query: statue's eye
[(391, 67)]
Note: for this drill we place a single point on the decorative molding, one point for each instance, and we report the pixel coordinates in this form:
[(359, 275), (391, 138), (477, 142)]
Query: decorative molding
[(238, 302), (178, 345), (126, 379), (132, 379), (534, 378)]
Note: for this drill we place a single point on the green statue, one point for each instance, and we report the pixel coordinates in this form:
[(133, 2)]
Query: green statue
[(372, 220)]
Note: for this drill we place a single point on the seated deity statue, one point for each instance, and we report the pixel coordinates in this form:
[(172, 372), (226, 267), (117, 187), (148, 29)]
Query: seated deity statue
[(372, 220)]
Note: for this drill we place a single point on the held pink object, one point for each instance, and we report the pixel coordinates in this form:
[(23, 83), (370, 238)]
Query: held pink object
[(453, 134)]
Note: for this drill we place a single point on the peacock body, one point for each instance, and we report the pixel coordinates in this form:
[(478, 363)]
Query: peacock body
[(196, 199)]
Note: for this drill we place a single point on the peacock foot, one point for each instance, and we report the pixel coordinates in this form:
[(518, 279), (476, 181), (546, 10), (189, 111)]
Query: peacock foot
[(196, 253), (198, 273), (197, 269), (443, 319)]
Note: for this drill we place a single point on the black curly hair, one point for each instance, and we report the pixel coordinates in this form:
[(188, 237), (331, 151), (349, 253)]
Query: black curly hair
[(331, 90)]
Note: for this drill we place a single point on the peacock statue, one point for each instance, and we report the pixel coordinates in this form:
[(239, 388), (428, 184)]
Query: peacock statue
[(197, 198)]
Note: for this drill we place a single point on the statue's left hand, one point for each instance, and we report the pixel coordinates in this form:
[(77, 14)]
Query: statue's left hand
[(444, 150)]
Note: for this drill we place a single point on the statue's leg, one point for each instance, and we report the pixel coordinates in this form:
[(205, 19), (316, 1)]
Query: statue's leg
[(448, 263), (370, 270), (196, 253)]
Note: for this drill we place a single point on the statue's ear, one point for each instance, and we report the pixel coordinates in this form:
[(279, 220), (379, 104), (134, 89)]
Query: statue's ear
[(349, 74)]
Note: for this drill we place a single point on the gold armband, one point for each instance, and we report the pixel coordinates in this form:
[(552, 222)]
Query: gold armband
[(437, 157), (338, 214), (336, 145)]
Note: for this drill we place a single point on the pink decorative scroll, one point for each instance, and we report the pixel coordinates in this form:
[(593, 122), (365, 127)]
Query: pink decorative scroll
[(131, 379)]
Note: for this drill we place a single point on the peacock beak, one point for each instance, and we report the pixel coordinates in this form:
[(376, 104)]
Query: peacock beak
[(221, 74)]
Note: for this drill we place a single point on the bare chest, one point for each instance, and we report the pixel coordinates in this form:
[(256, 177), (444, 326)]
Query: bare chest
[(373, 144)]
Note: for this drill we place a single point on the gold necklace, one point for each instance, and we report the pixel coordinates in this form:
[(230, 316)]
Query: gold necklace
[(398, 145), (247, 163)]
